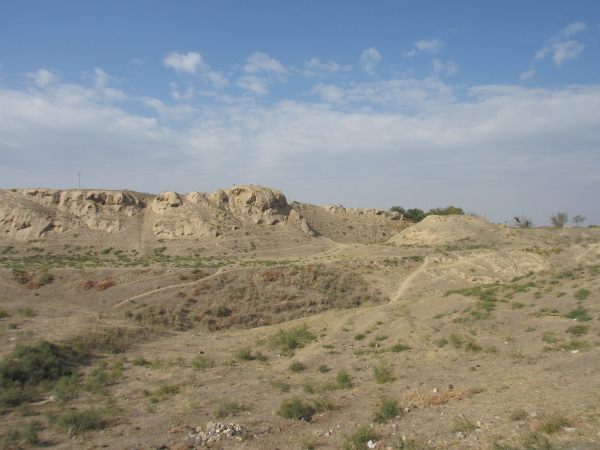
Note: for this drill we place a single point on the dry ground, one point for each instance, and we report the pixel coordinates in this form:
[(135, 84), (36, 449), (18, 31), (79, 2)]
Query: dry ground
[(487, 365)]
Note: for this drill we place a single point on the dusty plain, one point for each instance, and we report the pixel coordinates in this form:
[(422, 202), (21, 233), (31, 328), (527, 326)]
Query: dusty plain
[(227, 307)]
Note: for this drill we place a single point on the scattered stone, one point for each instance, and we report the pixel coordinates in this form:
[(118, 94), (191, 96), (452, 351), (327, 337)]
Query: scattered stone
[(371, 444), (215, 431), (461, 435)]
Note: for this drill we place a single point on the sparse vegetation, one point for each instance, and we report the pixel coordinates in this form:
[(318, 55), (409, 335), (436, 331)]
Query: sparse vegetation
[(382, 374), (388, 409)]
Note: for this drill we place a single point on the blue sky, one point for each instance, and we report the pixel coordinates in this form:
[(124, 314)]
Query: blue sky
[(491, 106)]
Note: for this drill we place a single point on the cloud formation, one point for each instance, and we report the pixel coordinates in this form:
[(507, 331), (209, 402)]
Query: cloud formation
[(560, 49), (369, 59), (190, 63)]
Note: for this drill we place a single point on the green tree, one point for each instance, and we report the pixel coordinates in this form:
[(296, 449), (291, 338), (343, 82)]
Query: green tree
[(523, 222), (579, 219), (559, 219), (398, 209), (446, 211), (415, 214)]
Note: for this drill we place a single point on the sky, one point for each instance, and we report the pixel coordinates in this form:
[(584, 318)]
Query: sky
[(490, 106)]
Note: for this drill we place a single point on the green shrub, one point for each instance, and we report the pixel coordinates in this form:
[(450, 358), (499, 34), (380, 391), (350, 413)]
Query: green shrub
[(229, 408), (463, 425), (281, 386), (360, 337), (456, 340), (553, 424), (141, 361), (109, 340), (244, 354), (323, 368), (292, 339), (358, 440), (388, 409), (27, 312), (399, 348), (578, 330), (3, 313), (203, 362), (296, 366), (296, 409), (580, 314), (519, 414), (582, 294), (78, 421), (382, 374), (343, 380)]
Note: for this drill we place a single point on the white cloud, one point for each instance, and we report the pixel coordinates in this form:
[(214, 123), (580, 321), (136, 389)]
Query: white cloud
[(369, 59), (368, 142), (574, 28), (329, 93), (447, 69), (216, 79), (42, 78), (526, 76), (561, 50), (261, 62), (253, 84), (316, 67), (190, 63), (432, 46), (566, 50), (101, 80)]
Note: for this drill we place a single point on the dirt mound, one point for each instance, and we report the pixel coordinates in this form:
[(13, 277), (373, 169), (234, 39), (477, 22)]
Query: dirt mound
[(453, 228)]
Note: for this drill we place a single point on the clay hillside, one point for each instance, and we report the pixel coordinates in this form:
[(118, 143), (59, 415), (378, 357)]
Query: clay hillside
[(236, 319)]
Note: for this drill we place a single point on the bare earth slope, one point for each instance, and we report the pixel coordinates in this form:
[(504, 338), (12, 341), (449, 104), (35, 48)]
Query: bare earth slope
[(239, 307)]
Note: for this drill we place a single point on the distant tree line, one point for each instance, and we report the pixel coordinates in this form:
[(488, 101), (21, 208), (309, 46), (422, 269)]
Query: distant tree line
[(417, 214)]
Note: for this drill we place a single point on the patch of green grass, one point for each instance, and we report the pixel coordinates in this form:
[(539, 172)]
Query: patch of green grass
[(553, 424), (549, 337), (3, 313), (456, 340), (519, 414), (203, 362), (580, 314), (245, 354), (359, 337), (281, 386), (578, 330), (582, 294), (399, 348), (323, 368), (441, 342), (296, 366), (358, 440), (79, 421), (388, 409), (296, 409), (463, 425), (141, 361), (228, 408), (517, 305), (382, 374), (343, 380), (288, 341)]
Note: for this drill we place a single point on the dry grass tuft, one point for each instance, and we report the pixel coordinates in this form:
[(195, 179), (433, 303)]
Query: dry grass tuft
[(423, 399), (105, 284), (201, 288), (87, 284), (32, 285), (271, 275)]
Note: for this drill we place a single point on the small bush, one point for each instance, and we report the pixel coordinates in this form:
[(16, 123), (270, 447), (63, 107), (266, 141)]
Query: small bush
[(580, 314), (3, 313), (463, 425), (519, 414), (245, 354), (343, 380), (399, 348), (553, 424), (456, 340), (582, 294), (296, 366), (229, 409), (359, 337), (141, 361), (382, 374), (109, 340), (358, 440), (296, 409), (281, 386), (387, 410), (27, 312), (578, 330), (202, 362), (292, 339), (442, 342), (323, 368), (79, 421)]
